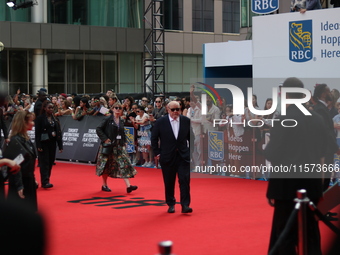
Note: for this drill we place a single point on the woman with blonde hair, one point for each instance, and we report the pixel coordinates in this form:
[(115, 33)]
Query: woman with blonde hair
[(22, 185)]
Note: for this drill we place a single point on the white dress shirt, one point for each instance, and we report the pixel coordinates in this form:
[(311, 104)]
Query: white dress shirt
[(174, 125)]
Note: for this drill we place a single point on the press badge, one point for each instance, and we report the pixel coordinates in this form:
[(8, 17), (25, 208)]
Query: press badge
[(118, 137), (19, 159)]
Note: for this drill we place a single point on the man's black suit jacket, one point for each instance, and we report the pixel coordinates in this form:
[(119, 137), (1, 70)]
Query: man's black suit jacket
[(293, 147), (165, 144), (322, 110)]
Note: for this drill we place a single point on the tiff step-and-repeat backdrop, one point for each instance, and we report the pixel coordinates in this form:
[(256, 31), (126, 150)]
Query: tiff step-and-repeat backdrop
[(80, 139)]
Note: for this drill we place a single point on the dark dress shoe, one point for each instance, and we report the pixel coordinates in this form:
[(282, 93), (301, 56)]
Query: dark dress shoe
[(186, 209), (131, 188), (171, 209), (106, 188), (47, 186)]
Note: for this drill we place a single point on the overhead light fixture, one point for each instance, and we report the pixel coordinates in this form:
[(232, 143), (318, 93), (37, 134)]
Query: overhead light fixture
[(25, 4), (11, 4)]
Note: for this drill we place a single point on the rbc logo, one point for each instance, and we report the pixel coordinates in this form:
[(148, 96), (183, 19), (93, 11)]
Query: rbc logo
[(300, 41), (216, 145), (264, 6)]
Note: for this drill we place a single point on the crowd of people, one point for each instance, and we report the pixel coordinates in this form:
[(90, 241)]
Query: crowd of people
[(140, 114), (154, 141), (324, 101), (46, 111)]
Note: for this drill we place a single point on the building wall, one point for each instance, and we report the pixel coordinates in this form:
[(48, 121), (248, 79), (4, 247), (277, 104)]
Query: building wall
[(24, 35), (124, 45)]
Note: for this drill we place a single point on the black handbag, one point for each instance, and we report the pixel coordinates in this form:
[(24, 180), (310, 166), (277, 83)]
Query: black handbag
[(107, 148)]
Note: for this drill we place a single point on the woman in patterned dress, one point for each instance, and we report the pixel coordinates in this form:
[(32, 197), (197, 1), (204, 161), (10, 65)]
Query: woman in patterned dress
[(117, 163)]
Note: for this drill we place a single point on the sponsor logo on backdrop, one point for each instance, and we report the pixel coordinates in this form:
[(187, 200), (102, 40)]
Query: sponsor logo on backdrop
[(216, 145), (264, 6), (300, 41)]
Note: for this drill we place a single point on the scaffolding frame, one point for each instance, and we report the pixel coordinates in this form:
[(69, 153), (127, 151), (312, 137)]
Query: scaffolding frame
[(154, 48)]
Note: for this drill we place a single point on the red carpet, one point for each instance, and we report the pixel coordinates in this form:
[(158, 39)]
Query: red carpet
[(231, 216)]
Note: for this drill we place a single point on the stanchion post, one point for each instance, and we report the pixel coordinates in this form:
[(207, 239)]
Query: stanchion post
[(303, 201), (165, 247)]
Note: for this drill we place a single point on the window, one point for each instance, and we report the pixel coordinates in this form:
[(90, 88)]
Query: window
[(81, 72), (117, 13), (75, 72), (130, 72), (173, 14), (93, 73), (18, 71), (110, 79), (182, 71), (203, 15), (246, 13), (9, 14), (231, 16)]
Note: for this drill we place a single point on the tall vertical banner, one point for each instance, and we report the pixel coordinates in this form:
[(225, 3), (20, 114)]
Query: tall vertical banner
[(80, 139), (264, 6), (130, 139)]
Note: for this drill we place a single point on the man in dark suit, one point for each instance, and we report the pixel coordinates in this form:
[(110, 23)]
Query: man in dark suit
[(42, 97), (322, 94), (170, 142), (292, 147)]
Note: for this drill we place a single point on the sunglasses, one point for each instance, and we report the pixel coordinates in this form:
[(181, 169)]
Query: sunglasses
[(134, 108), (138, 111), (157, 101), (174, 109), (118, 108)]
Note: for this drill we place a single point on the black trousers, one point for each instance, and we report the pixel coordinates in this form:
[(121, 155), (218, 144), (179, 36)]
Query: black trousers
[(181, 168), (46, 160), (282, 211), (2, 187)]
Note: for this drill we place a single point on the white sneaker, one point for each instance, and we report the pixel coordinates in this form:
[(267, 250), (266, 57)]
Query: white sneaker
[(145, 164)]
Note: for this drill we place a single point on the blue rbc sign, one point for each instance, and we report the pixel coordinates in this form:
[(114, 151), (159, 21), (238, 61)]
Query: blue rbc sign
[(264, 6), (300, 40), (216, 145)]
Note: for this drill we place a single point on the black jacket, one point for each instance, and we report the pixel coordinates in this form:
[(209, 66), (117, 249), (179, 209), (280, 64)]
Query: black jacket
[(168, 145), (3, 125), (43, 126), (292, 147), (108, 129), (324, 112), (18, 145)]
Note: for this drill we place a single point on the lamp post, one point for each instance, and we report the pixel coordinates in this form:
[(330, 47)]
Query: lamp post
[(2, 46)]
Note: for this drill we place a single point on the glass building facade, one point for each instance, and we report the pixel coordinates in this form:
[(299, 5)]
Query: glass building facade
[(93, 70)]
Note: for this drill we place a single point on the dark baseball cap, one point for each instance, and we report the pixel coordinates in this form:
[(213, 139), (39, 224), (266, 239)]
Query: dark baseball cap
[(42, 90)]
